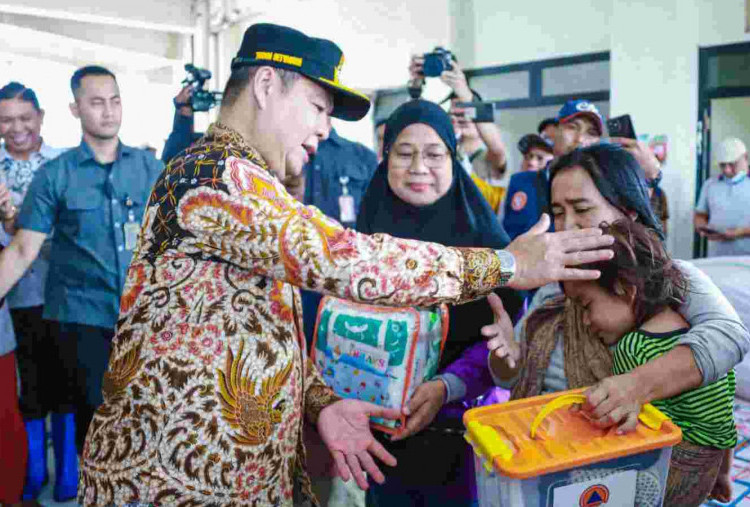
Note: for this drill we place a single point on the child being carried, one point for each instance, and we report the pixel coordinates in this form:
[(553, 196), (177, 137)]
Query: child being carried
[(632, 309)]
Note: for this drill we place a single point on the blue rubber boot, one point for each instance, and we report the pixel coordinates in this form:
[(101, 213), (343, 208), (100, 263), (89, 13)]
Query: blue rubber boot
[(66, 457), (36, 466)]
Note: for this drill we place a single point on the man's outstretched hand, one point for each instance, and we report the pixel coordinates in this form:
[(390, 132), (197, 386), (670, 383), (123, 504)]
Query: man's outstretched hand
[(543, 257), (345, 429)]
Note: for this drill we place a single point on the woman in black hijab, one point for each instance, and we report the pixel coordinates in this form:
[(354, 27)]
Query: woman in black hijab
[(433, 199)]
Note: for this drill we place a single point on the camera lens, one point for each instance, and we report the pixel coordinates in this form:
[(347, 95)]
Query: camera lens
[(433, 65)]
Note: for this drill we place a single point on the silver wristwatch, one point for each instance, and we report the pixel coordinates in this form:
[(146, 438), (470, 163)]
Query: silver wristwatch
[(507, 266)]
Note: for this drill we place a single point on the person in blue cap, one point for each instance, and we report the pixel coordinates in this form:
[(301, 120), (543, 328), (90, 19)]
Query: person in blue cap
[(209, 386), (579, 125)]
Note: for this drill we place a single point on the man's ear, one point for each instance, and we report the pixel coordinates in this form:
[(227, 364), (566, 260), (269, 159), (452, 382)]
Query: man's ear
[(74, 110), (632, 215), (41, 114), (262, 86)]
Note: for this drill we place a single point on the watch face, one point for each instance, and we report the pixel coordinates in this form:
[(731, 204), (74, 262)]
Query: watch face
[(507, 266)]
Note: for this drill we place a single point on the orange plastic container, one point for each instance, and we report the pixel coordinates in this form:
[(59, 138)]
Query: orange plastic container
[(568, 461)]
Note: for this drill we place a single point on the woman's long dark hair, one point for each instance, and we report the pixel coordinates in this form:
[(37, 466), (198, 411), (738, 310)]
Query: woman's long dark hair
[(618, 177)]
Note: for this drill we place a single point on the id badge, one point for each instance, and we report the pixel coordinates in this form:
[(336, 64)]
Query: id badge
[(132, 229), (346, 204)]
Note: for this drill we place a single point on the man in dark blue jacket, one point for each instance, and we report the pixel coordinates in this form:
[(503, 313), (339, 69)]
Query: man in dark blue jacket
[(182, 134), (335, 182)]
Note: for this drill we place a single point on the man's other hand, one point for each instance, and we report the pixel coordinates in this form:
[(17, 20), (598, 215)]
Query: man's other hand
[(345, 429)]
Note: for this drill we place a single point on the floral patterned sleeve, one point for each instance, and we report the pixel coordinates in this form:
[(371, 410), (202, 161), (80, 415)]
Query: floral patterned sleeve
[(249, 219)]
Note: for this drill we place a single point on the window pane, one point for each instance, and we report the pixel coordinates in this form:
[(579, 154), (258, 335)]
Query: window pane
[(387, 102), (729, 70), (578, 78), (511, 85)]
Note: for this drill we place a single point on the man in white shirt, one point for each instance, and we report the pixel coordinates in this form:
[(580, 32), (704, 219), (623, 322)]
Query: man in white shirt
[(721, 213)]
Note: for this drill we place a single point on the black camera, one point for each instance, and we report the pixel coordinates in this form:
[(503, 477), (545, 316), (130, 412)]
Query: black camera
[(437, 62), (202, 99)]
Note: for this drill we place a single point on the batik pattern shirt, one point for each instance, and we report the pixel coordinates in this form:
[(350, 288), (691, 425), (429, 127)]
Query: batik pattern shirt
[(17, 176), (208, 379)]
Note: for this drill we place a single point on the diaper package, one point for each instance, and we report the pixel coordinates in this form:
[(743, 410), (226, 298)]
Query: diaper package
[(378, 354)]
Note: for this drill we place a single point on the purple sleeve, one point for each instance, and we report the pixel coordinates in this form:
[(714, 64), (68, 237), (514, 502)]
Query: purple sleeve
[(472, 369)]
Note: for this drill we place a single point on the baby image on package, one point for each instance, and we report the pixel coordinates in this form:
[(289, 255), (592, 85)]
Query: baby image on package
[(378, 354)]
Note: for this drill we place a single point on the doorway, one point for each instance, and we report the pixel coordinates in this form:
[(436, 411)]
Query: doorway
[(723, 111)]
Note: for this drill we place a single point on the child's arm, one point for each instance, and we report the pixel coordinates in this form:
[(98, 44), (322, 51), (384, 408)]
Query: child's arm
[(505, 354)]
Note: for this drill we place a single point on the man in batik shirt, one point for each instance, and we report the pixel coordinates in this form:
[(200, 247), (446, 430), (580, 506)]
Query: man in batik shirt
[(209, 382)]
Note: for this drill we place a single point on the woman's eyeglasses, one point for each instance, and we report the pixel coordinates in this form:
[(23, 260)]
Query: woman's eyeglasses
[(431, 157)]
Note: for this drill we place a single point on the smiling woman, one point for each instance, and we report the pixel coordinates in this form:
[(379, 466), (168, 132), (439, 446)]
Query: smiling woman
[(24, 152), (420, 169), (20, 120), (420, 191)]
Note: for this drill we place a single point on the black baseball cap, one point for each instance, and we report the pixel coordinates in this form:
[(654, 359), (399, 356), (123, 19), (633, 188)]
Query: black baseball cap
[(533, 141), (546, 123), (318, 59)]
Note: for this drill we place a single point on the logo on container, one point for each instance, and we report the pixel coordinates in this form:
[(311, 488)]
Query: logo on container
[(594, 496)]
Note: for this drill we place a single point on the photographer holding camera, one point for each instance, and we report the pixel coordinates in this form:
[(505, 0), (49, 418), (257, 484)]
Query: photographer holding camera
[(481, 149), (182, 134), (192, 98)]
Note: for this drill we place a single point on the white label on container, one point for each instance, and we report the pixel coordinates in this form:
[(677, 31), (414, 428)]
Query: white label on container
[(616, 490)]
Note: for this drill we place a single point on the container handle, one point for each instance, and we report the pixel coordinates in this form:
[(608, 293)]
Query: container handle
[(650, 416), (490, 444)]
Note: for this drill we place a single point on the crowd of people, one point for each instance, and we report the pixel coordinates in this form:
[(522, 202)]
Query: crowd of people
[(157, 315)]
